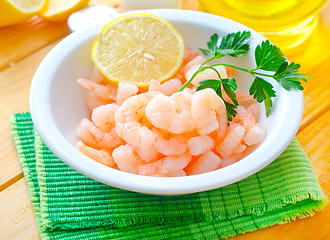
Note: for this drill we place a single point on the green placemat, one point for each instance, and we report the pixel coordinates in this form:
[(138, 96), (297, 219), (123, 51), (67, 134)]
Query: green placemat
[(69, 205)]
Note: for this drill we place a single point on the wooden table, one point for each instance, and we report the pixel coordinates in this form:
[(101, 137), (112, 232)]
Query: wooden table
[(23, 46)]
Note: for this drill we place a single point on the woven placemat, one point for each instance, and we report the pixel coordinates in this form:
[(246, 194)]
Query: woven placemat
[(69, 205)]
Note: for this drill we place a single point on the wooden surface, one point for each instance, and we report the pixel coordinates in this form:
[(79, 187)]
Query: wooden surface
[(23, 46)]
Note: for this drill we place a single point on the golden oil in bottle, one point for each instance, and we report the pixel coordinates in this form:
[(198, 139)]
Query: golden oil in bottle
[(286, 23)]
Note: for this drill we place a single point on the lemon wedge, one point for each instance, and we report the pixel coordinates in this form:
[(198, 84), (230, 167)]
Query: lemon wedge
[(60, 10), (137, 48), (15, 11)]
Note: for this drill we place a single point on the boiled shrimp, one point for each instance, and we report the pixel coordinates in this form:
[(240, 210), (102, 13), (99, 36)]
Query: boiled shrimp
[(230, 71), (93, 101), (189, 90), (175, 145), (208, 112), (127, 120), (179, 173), (104, 92), (255, 135), (125, 90), (126, 159), (189, 54), (171, 86), (243, 99), (171, 113), (92, 136), (164, 166), (196, 61), (183, 101), (232, 141), (244, 117), (182, 121), (100, 156), (206, 162), (160, 111), (229, 160), (104, 116), (200, 145), (254, 109), (148, 154), (154, 86)]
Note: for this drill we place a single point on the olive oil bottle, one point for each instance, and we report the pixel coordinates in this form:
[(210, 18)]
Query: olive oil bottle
[(286, 23)]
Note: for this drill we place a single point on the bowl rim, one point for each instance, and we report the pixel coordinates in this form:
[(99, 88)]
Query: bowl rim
[(59, 145)]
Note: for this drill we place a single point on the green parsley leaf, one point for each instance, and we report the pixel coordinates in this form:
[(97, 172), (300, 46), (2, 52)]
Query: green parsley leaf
[(206, 52), (287, 75), (230, 86), (209, 83), (235, 44), (212, 45), (268, 57), (268, 104), (261, 90), (230, 109)]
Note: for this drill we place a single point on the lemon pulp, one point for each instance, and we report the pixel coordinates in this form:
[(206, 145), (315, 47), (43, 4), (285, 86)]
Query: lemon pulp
[(137, 48)]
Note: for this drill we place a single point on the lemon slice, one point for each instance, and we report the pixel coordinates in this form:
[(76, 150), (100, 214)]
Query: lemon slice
[(60, 10), (137, 48), (15, 11)]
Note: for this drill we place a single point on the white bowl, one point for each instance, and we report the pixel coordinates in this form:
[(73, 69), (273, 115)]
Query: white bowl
[(57, 105)]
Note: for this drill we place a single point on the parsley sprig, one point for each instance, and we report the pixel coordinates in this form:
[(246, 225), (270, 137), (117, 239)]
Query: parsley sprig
[(268, 58)]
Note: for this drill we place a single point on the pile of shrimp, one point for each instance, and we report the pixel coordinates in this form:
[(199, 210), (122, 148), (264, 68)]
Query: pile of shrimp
[(163, 132)]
